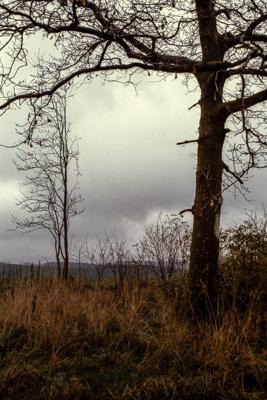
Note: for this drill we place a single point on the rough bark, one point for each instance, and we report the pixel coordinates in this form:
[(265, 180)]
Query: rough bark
[(203, 273)]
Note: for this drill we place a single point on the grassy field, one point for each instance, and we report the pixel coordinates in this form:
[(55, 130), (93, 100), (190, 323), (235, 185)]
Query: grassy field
[(60, 341)]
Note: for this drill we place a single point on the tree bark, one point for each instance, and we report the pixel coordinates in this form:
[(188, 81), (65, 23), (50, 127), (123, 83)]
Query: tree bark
[(203, 272)]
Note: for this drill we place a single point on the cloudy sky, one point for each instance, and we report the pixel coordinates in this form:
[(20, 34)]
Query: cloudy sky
[(130, 164)]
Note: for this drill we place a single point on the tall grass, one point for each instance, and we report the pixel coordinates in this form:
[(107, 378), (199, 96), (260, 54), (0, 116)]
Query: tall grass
[(65, 341)]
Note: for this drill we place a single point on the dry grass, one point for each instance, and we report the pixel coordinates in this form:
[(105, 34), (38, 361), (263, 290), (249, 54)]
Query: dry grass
[(60, 341)]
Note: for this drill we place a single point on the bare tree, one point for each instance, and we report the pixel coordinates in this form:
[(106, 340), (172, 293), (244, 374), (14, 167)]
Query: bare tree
[(78, 255), (111, 255), (165, 246), (98, 253), (120, 261), (48, 197), (222, 44)]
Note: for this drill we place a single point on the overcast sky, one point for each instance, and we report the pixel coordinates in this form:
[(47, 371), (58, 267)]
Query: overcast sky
[(130, 164)]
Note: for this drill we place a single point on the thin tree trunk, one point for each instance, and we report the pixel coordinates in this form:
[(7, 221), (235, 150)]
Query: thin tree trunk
[(203, 273), (66, 231), (65, 159), (65, 215), (57, 251), (66, 260)]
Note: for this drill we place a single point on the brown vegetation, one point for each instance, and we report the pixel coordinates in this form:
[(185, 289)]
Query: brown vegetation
[(60, 342)]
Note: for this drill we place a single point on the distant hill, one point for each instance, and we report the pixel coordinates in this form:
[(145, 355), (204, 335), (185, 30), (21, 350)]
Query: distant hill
[(10, 270)]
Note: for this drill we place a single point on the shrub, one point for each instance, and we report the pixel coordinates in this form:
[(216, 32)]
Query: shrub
[(243, 263)]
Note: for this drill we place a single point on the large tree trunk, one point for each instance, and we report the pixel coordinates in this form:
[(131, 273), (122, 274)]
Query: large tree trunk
[(203, 273)]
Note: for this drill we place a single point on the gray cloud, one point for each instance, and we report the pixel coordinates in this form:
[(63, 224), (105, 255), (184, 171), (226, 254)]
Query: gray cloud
[(130, 164)]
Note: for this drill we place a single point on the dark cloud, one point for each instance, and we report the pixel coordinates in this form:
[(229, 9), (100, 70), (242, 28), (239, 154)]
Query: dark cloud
[(130, 164)]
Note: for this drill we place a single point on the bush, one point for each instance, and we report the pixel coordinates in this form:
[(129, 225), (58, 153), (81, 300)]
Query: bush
[(243, 264)]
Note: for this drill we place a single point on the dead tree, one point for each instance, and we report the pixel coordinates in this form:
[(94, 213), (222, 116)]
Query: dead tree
[(48, 197), (222, 44)]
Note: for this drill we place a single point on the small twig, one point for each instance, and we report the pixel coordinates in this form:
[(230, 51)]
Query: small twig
[(186, 210), (187, 142), (12, 146), (194, 105)]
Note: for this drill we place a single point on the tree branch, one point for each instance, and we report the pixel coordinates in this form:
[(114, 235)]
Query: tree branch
[(187, 142), (227, 169), (70, 77), (247, 102)]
